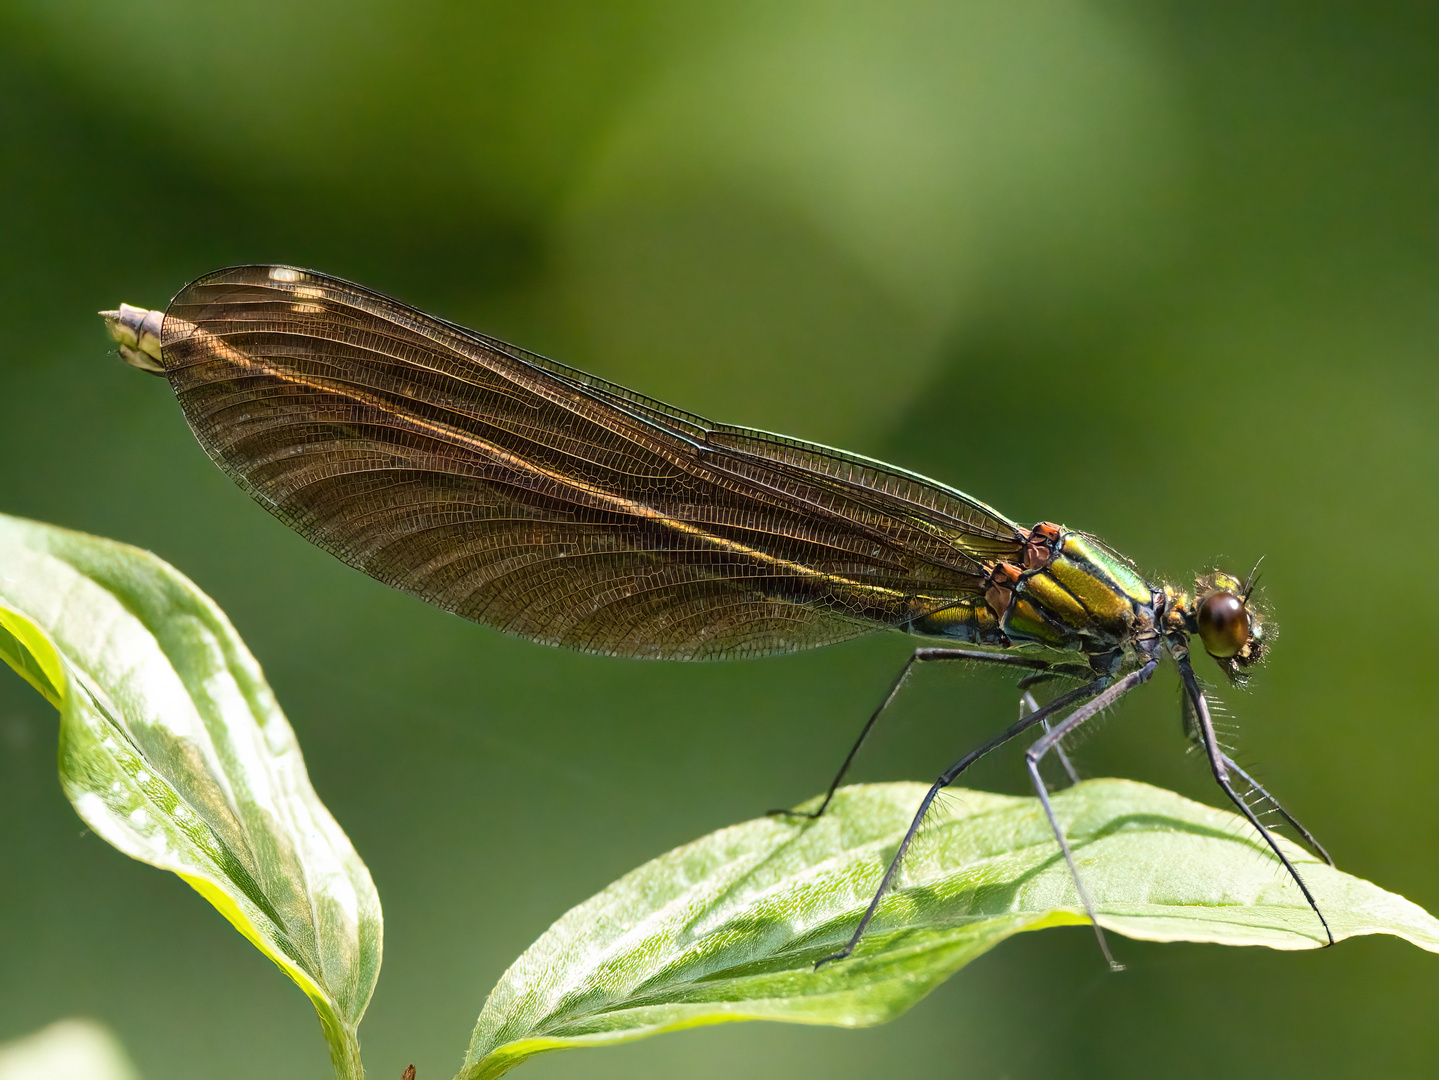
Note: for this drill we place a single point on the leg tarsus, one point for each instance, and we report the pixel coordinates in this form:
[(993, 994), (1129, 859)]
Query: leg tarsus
[(1032, 760)]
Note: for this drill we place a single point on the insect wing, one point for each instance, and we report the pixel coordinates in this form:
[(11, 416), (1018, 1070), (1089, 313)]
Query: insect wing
[(525, 494)]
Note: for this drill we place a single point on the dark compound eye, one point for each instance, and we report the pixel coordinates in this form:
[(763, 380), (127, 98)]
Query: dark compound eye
[(1223, 624)]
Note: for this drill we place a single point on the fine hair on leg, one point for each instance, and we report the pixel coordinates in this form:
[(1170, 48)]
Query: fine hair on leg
[(1304, 834)]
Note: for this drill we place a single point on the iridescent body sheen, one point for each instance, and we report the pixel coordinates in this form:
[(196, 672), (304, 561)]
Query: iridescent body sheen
[(1083, 600)]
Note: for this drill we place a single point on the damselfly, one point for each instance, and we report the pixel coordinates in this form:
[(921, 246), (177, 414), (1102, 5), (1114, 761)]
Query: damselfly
[(525, 494)]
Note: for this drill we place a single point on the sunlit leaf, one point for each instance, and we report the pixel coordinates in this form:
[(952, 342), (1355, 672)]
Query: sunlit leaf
[(173, 749), (729, 927)]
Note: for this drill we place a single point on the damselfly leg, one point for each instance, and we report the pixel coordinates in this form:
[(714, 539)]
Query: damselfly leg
[(1219, 765), (1255, 787), (1027, 705), (948, 777), (919, 656), (1049, 741)]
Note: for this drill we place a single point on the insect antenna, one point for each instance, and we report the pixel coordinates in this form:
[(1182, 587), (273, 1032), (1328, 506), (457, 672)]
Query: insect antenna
[(1252, 580)]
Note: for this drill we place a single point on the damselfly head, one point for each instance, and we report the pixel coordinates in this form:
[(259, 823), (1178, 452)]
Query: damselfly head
[(1228, 623)]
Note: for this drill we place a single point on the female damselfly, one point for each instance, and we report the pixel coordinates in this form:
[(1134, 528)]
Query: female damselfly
[(525, 494)]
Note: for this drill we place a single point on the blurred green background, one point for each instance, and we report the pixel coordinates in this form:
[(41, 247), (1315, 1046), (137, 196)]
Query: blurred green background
[(1165, 271)]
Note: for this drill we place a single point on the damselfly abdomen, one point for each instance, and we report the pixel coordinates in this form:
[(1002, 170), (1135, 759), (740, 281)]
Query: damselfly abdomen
[(521, 493)]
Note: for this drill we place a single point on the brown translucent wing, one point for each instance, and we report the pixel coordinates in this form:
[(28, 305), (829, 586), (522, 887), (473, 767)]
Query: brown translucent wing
[(521, 493)]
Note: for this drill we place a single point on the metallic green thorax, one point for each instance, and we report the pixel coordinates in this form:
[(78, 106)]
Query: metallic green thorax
[(1074, 596)]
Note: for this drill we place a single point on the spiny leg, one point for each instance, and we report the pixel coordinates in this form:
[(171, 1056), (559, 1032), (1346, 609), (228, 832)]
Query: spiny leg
[(1193, 732), (1049, 741), (1219, 765), (1027, 701), (920, 656), (945, 779), (1304, 834)]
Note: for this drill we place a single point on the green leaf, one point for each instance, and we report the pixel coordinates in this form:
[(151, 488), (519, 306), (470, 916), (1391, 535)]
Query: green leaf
[(173, 749), (729, 927)]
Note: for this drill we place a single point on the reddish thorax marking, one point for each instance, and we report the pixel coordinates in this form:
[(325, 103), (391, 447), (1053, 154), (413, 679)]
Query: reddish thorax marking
[(1041, 544), (999, 589)]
